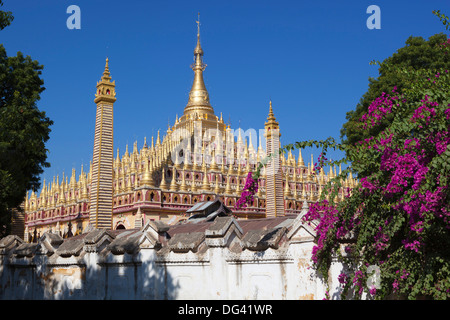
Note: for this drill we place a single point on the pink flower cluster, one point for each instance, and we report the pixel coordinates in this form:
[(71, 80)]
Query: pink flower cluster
[(248, 192), (426, 111), (412, 245), (358, 281), (366, 184), (447, 113), (326, 215), (343, 278), (396, 283), (381, 241), (403, 169), (320, 162), (441, 140), (420, 205), (378, 109)]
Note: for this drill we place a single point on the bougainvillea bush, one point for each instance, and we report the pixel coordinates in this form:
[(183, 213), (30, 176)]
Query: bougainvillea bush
[(394, 227), (397, 221)]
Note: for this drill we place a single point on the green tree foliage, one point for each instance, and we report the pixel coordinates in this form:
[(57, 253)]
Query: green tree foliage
[(6, 18), (24, 129), (417, 54)]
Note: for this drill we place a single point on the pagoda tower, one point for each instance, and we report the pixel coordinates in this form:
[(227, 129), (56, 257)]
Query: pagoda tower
[(101, 192), (274, 178), (198, 115)]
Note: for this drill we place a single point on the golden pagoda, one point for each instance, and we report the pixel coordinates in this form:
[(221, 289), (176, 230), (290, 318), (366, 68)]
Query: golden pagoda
[(198, 159)]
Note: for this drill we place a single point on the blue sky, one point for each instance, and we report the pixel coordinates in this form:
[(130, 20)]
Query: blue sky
[(311, 58)]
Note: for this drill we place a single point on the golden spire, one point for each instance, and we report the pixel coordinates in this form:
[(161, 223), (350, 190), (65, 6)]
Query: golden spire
[(173, 184), (238, 190), (198, 96), (271, 117), (300, 158), (259, 192), (205, 185), (271, 124), (158, 140), (290, 159), (105, 87), (183, 186), (287, 191), (136, 180), (261, 152), (228, 186), (322, 176), (217, 186), (62, 195), (198, 49), (295, 184), (222, 168), (304, 195), (128, 186), (147, 178), (163, 185), (213, 166), (135, 148), (193, 185), (145, 143), (84, 191), (106, 74)]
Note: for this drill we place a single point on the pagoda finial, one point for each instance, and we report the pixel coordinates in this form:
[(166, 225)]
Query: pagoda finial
[(105, 91), (158, 139), (300, 158), (145, 142), (198, 49), (271, 121), (198, 96), (271, 115), (106, 74)]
